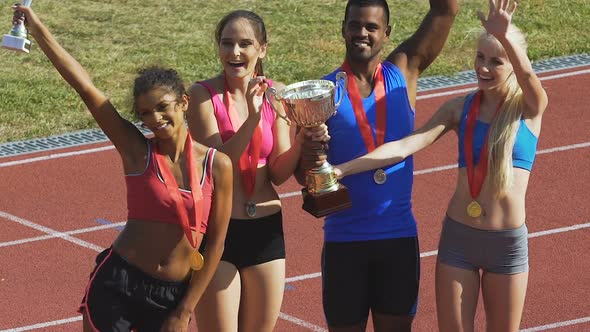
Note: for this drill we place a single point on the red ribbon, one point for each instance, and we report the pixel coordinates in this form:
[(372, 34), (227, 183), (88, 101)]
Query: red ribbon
[(359, 110), (189, 223), (249, 159), (476, 175)]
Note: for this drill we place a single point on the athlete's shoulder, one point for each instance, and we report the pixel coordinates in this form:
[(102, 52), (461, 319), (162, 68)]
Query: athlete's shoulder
[(332, 76)]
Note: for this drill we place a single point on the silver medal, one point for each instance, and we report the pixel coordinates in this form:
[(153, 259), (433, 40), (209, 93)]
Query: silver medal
[(380, 177), (251, 209)]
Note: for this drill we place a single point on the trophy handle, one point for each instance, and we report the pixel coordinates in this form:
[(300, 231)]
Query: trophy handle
[(341, 77), (273, 92)]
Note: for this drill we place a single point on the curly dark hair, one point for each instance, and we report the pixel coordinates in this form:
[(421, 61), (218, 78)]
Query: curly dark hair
[(158, 77)]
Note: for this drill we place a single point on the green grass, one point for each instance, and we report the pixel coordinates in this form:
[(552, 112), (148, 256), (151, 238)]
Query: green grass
[(113, 39)]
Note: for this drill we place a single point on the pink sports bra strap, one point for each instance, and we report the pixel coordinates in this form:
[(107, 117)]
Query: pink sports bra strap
[(210, 156), (212, 92)]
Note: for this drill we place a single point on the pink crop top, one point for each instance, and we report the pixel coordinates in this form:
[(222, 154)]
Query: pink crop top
[(225, 128), (148, 199)]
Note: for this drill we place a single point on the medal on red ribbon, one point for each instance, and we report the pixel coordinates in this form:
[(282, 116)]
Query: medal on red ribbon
[(190, 224), (249, 159), (379, 176), (476, 174)]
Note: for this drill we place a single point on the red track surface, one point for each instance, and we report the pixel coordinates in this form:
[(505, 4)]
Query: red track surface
[(42, 281)]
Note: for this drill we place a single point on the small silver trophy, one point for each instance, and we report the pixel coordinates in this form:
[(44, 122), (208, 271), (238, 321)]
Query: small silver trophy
[(16, 39)]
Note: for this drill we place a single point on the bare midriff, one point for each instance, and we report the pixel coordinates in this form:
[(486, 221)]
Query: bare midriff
[(158, 249), (499, 213), (265, 196)]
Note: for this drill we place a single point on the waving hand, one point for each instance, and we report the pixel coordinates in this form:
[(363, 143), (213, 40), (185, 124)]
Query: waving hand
[(499, 17)]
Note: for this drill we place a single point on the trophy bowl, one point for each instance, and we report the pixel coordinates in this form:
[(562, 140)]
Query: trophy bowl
[(309, 104)]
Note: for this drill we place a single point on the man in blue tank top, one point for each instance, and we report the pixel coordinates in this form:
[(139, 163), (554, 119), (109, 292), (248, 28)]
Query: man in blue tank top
[(370, 259)]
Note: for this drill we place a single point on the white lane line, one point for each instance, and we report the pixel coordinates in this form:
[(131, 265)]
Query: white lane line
[(301, 323), (426, 96), (286, 317), (454, 166), (545, 151), (52, 236), (55, 156), (565, 148), (446, 93), (557, 325), (44, 325), (303, 277), (458, 91), (559, 230), (429, 253), (436, 169), (50, 231), (294, 320), (290, 194), (573, 73)]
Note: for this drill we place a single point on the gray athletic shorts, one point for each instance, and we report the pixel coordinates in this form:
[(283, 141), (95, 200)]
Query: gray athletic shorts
[(502, 252)]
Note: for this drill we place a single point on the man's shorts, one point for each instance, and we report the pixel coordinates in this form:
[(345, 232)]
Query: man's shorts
[(379, 275)]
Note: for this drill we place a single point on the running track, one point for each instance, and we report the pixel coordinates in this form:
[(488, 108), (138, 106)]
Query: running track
[(59, 208)]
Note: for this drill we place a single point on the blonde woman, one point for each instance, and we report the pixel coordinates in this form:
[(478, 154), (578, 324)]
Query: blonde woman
[(484, 229)]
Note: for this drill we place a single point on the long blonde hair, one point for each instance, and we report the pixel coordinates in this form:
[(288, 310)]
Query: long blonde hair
[(505, 125)]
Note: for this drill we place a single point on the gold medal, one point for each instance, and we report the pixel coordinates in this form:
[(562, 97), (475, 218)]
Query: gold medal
[(196, 260), (380, 177), (251, 209), (474, 209)]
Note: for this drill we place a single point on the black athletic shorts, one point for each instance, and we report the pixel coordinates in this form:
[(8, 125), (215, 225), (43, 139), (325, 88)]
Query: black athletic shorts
[(379, 275), (121, 297), (253, 241)]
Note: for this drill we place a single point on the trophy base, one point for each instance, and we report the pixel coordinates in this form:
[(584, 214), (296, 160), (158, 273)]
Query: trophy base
[(321, 205), (16, 43)]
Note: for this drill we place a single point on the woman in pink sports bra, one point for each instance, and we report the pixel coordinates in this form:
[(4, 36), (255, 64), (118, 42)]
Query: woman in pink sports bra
[(153, 276), (229, 112)]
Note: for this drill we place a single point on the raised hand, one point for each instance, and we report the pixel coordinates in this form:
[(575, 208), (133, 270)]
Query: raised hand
[(27, 16), (255, 95), (499, 17)]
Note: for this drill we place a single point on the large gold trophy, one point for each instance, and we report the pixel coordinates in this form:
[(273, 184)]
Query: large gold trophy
[(309, 104)]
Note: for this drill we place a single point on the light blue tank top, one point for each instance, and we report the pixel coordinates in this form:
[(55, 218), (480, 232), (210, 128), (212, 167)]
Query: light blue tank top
[(525, 145), (378, 211)]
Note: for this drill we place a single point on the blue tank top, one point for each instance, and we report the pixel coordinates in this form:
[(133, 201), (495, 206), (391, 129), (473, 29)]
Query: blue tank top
[(378, 211), (525, 145)]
